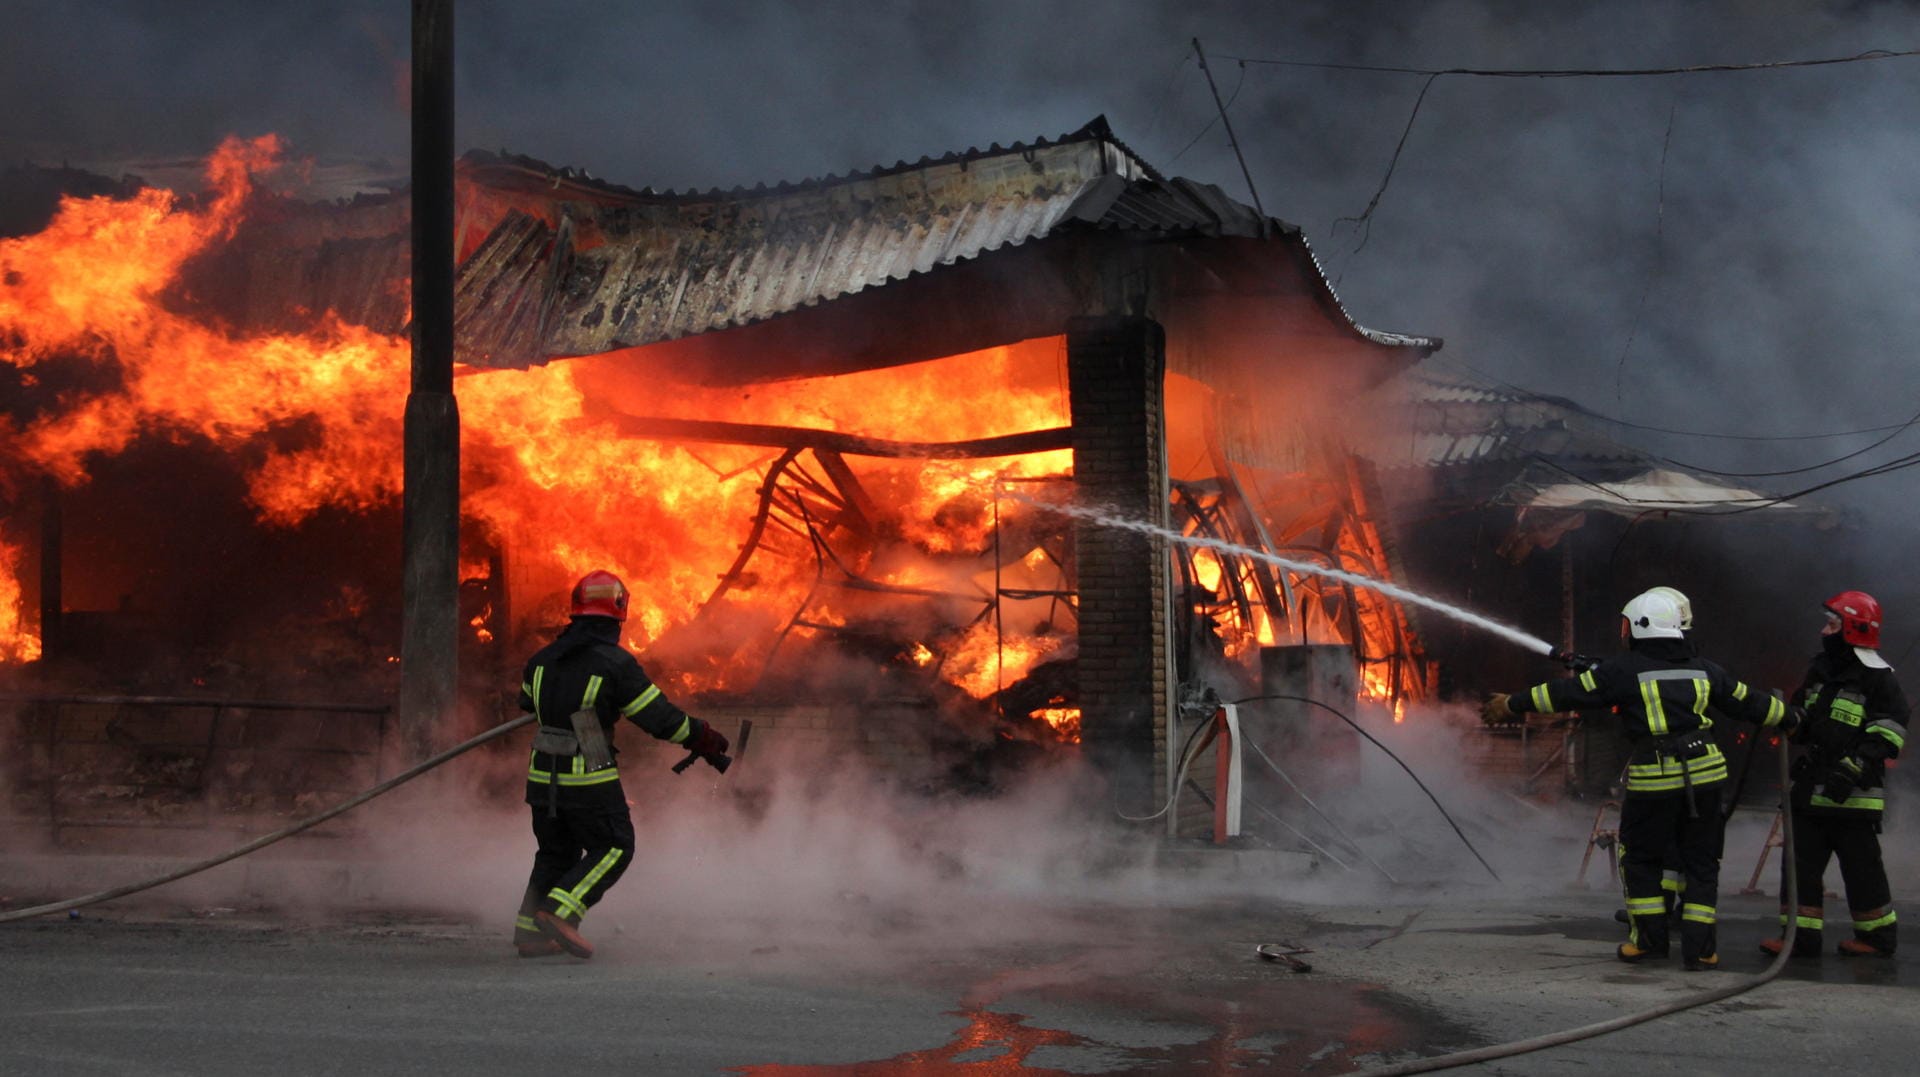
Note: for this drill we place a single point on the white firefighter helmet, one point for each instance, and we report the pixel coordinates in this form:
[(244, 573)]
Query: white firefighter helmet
[(1653, 615), (1680, 602)]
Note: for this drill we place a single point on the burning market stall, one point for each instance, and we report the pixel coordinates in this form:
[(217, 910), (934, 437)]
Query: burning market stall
[(817, 425)]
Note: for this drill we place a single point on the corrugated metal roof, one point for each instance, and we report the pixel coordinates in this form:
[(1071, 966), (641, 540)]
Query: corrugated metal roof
[(1538, 451), (579, 266), (1448, 420), (1650, 491)]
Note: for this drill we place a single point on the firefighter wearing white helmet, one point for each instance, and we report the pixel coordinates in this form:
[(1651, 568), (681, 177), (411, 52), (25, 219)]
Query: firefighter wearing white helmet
[(1675, 772), (1680, 602)]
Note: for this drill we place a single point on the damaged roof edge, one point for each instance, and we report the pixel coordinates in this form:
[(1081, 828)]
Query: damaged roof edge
[(1426, 345), (1112, 190), (561, 178)]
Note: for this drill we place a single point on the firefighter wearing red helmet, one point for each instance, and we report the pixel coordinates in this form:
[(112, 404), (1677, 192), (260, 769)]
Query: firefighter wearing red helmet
[(580, 686), (1856, 721), (1676, 773)]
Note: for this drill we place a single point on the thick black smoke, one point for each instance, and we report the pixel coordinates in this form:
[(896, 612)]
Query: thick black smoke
[(1729, 252)]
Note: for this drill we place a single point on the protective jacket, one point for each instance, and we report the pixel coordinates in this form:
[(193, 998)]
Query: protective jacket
[(1662, 692), (585, 668), (1856, 721)]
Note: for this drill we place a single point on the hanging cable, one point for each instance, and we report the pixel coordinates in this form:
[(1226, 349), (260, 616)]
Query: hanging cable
[(1344, 836), (1659, 252), (1403, 766), (1187, 752), (1364, 221)]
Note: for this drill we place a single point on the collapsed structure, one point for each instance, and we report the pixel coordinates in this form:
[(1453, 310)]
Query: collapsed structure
[(819, 427)]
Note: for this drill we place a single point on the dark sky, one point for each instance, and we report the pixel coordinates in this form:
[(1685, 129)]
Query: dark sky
[(1761, 279)]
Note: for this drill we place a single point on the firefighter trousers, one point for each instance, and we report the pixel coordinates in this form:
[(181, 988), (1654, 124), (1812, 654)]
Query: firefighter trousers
[(1853, 839), (1656, 831), (583, 851)]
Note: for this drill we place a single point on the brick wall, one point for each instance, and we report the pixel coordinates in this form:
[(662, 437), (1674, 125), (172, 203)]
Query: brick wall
[(1115, 371)]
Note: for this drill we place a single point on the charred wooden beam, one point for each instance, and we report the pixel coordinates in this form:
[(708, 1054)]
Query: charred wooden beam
[(767, 488), (859, 502), (832, 441)]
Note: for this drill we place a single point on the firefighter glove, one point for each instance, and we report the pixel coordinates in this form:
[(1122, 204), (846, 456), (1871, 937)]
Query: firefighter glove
[(706, 742), (1841, 779), (1791, 721), (1872, 749), (1497, 710)]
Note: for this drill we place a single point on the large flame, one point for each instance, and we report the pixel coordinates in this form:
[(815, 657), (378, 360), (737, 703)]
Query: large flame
[(316, 420), (17, 644)]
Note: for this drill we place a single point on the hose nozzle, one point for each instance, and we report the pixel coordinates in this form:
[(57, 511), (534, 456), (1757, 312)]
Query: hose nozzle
[(1575, 661)]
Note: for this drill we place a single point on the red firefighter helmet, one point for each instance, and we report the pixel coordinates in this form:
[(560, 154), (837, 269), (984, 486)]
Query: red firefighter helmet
[(1859, 618), (600, 594)]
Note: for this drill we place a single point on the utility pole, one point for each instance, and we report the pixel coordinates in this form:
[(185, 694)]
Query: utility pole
[(430, 499)]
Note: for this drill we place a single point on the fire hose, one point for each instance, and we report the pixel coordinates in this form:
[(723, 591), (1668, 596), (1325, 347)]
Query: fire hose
[(268, 839), (1599, 1028)]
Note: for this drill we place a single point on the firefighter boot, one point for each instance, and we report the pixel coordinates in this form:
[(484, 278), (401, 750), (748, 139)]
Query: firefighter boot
[(1634, 953), (1801, 946), (529, 942), (1806, 935), (1877, 940), (1699, 938), (1646, 933), (562, 934)]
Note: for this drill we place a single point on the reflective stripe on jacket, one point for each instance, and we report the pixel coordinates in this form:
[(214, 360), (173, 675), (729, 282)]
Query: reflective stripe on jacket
[(1662, 692)]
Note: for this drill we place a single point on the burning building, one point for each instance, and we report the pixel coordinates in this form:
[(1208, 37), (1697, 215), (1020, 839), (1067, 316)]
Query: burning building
[(820, 427)]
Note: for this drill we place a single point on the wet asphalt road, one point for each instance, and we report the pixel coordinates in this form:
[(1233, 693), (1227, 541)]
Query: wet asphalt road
[(1089, 989), (247, 993)]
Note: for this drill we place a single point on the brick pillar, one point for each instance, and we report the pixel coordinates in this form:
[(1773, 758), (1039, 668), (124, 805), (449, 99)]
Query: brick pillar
[(1115, 373)]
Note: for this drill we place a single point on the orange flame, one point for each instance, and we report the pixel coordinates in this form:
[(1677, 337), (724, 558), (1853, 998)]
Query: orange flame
[(1377, 687), (564, 491), (17, 643), (1065, 721), (981, 663)]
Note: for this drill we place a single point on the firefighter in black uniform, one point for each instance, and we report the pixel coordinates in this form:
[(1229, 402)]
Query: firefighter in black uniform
[(579, 686), (1675, 771), (1856, 721)]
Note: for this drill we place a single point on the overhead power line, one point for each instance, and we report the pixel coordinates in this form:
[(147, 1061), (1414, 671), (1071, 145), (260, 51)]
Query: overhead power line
[(1580, 72), (1545, 399), (1863, 450), (1364, 220), (1828, 436), (1541, 403)]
